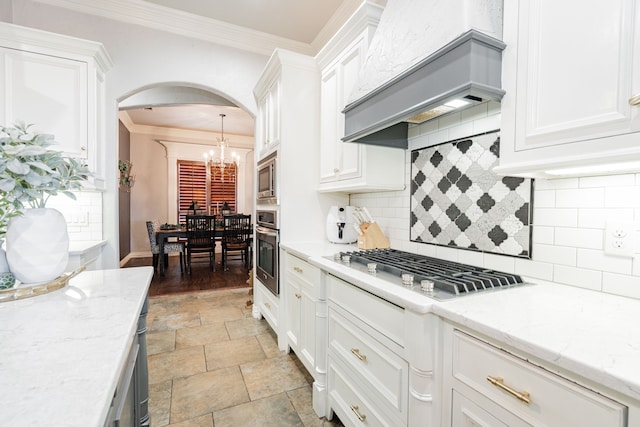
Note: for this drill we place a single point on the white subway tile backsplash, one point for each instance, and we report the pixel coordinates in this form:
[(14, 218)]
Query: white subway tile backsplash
[(622, 197), (450, 120), (554, 254), (580, 198), (533, 269), (486, 124), (471, 258), (554, 217), (556, 184), (568, 220), (579, 238), (500, 263), (474, 113), (621, 284), (580, 277), (596, 218), (607, 181), (598, 260), (545, 199), (544, 235), (461, 131)]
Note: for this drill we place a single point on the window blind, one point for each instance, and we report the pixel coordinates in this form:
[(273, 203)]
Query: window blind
[(210, 190)]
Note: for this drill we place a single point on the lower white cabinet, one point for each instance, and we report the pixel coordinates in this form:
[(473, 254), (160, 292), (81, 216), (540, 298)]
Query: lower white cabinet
[(368, 377), (301, 282), (487, 386)]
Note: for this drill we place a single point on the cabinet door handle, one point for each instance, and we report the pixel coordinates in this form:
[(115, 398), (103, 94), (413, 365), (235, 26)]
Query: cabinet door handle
[(83, 148), (298, 296), (520, 395), (336, 170), (266, 304), (358, 414), (298, 269), (359, 355), (635, 100)]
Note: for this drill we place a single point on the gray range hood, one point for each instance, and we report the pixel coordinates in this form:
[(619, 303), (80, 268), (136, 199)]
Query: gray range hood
[(468, 67)]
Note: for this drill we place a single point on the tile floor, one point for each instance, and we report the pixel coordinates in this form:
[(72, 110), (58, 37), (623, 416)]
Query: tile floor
[(212, 364)]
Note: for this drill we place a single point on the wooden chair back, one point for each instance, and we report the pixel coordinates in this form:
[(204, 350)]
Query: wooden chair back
[(201, 230)]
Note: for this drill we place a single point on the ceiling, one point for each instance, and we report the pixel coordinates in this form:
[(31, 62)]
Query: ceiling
[(298, 20)]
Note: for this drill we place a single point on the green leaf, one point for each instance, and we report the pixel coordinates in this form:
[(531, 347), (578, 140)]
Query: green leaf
[(17, 167)]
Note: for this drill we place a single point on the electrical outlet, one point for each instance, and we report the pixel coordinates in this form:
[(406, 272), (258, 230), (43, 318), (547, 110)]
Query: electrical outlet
[(620, 239)]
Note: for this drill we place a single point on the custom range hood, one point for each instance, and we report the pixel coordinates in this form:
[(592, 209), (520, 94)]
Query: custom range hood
[(467, 69)]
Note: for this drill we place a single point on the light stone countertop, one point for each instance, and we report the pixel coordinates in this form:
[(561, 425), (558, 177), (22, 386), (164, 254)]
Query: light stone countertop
[(586, 333), (79, 247), (62, 353)]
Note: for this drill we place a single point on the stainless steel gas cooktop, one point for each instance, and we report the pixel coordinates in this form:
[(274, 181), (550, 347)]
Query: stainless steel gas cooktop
[(433, 277)]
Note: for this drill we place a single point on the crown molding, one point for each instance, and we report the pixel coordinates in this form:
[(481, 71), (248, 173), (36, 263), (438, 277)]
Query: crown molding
[(183, 23)]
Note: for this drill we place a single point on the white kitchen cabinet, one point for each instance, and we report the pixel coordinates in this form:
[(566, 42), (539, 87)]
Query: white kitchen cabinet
[(368, 376), (570, 73), (301, 282), (485, 385), (268, 117), (345, 166), (57, 83)]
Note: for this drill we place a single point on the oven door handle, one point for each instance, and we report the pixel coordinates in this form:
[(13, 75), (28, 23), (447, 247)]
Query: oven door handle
[(267, 231)]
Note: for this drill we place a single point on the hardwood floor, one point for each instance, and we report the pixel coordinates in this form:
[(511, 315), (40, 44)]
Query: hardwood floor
[(200, 279)]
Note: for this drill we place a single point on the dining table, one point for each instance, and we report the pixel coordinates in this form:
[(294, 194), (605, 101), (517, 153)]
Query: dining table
[(164, 234)]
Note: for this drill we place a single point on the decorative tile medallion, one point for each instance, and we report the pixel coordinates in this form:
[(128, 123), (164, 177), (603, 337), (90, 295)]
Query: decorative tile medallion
[(457, 200)]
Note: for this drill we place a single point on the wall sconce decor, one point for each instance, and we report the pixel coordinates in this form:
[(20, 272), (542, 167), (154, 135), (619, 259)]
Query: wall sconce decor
[(126, 180)]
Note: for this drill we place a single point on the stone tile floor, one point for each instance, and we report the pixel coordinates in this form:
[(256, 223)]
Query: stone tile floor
[(212, 364)]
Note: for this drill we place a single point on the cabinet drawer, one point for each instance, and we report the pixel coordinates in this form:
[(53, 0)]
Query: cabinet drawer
[(384, 372), (554, 401), (377, 315), (269, 306), (303, 270), (352, 406)]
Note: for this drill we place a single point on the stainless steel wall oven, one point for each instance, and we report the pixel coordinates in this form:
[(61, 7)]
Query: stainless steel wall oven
[(267, 246)]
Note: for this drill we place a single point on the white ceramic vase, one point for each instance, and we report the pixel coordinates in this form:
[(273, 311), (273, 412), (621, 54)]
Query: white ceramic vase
[(37, 245)]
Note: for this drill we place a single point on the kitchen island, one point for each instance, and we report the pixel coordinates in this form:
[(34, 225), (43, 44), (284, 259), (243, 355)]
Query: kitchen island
[(64, 353), (565, 336)]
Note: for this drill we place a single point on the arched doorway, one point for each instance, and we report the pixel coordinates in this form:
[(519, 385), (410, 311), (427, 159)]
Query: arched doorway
[(160, 125)]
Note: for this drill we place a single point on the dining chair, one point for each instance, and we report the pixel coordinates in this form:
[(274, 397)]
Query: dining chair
[(200, 238), (236, 238), (169, 247)]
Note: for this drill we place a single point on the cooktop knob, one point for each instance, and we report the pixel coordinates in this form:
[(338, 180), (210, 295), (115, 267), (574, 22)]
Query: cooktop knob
[(407, 279), (371, 267), (427, 285)]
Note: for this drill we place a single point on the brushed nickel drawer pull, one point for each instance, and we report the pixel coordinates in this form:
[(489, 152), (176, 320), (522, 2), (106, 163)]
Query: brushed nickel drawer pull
[(297, 269), (635, 100), (266, 304), (520, 395), (298, 295), (358, 414), (360, 356)]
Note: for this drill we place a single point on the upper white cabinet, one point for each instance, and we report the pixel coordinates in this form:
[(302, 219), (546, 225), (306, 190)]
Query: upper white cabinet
[(268, 117), (571, 74), (57, 83), (344, 166)]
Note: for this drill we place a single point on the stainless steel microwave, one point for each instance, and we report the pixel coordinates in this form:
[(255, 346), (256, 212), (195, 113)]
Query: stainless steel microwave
[(267, 190)]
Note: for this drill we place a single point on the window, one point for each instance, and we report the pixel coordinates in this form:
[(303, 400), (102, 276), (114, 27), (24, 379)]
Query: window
[(208, 188)]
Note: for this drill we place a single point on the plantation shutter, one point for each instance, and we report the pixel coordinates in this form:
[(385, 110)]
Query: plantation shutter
[(208, 190), (192, 186)]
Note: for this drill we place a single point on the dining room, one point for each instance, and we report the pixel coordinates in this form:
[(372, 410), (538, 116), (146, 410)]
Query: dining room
[(186, 151)]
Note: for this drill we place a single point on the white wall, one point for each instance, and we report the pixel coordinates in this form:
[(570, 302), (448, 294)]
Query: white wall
[(144, 57), (568, 218)]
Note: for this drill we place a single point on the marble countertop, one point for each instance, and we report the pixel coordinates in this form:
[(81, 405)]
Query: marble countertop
[(583, 332), (62, 353), (81, 247)]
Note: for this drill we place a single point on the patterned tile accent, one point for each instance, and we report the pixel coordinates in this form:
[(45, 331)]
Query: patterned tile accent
[(457, 201)]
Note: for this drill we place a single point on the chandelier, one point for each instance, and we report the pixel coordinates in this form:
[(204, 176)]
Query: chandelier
[(221, 161)]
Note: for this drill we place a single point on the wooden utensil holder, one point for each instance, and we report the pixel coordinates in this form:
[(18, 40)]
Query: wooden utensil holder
[(372, 237)]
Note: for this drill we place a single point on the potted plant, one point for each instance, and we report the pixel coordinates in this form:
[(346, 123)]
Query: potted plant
[(31, 172)]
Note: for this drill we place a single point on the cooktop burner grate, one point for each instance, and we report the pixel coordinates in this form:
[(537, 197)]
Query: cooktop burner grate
[(451, 277)]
